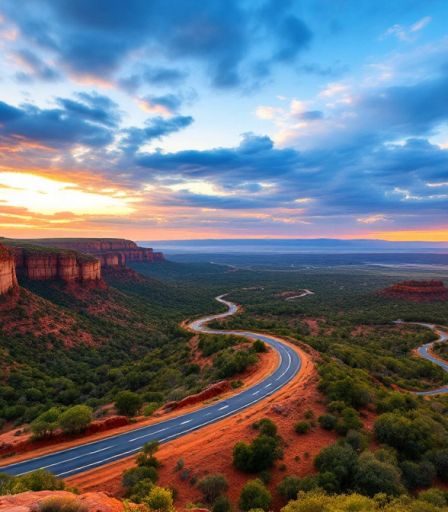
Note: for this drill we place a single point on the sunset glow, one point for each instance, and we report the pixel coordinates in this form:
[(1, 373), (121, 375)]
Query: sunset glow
[(173, 136)]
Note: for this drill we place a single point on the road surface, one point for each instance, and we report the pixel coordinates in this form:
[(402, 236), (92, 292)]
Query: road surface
[(64, 463), (425, 352)]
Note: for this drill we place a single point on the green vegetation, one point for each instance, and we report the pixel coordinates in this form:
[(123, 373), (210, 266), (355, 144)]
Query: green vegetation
[(212, 487), (39, 480), (255, 496), (261, 454), (128, 403), (318, 501)]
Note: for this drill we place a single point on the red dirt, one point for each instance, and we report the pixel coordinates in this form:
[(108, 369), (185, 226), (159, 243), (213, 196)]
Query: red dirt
[(209, 450)]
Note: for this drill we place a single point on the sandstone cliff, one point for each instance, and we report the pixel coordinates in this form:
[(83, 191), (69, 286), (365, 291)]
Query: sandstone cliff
[(36, 263), (112, 252), (7, 270), (418, 291)]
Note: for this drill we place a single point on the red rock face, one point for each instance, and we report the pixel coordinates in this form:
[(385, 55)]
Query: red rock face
[(418, 291), (41, 266), (8, 278), (112, 253)]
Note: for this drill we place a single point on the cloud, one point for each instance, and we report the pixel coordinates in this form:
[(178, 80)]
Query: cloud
[(74, 123), (163, 105), (407, 34), (155, 129), (34, 67), (157, 76), (96, 39)]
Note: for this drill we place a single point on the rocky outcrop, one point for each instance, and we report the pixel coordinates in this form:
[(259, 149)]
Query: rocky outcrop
[(112, 252), (39, 264), (418, 291), (32, 501), (210, 392), (8, 278)]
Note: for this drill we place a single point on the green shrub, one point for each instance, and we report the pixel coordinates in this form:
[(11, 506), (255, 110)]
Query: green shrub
[(302, 427), (255, 495), (213, 486), (327, 421), (75, 419), (289, 487), (128, 403)]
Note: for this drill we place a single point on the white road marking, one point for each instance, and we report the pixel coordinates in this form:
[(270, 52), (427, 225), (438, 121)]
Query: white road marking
[(268, 385), (147, 435), (256, 393), (185, 422), (223, 407)]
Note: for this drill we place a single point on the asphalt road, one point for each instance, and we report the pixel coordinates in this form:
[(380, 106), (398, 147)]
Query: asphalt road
[(64, 463), (425, 352)]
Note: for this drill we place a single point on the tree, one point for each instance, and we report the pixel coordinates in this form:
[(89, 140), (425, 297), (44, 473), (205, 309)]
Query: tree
[(373, 476), (289, 487), (160, 499), (213, 486), (46, 423), (258, 456), (339, 459), (134, 475), (222, 504), (75, 419), (146, 456), (128, 403), (255, 495)]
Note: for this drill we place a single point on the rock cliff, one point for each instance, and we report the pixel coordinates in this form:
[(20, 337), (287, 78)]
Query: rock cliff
[(112, 252), (418, 291), (8, 278), (37, 263)]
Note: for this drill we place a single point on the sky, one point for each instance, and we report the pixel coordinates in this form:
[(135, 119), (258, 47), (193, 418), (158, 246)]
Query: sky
[(185, 119)]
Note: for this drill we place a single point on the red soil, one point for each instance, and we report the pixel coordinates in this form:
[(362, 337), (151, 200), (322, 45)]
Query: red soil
[(209, 450)]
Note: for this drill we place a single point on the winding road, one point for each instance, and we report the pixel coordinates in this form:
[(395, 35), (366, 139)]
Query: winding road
[(64, 463), (425, 351)]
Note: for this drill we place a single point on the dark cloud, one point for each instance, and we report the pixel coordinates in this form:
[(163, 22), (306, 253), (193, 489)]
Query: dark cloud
[(96, 38), (74, 123), (35, 67), (93, 107), (310, 115), (169, 102), (155, 128), (155, 76)]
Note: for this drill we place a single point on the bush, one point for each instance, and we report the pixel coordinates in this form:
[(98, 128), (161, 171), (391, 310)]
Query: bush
[(75, 419), (213, 486), (46, 423), (289, 487), (150, 408), (349, 420), (134, 475), (302, 427), (259, 455), (222, 504), (255, 495), (339, 459), (327, 421), (128, 403), (266, 426), (373, 476), (61, 504), (440, 461), (160, 499), (417, 474), (259, 346)]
